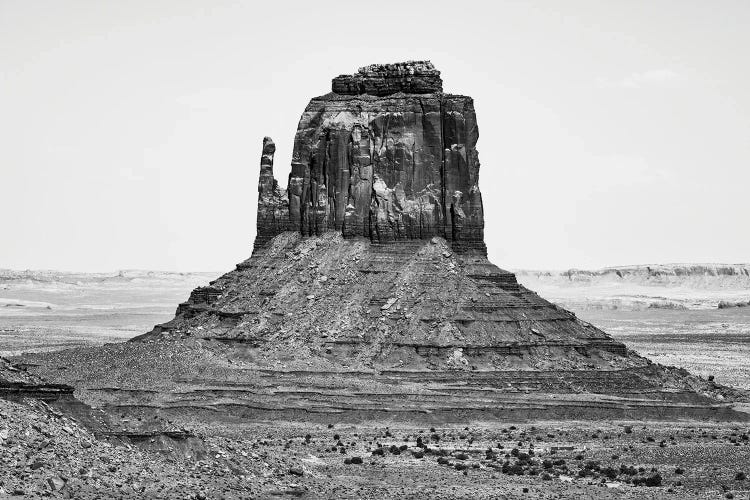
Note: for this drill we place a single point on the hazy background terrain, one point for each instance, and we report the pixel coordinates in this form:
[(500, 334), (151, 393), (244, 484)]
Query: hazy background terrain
[(669, 314), (49, 310)]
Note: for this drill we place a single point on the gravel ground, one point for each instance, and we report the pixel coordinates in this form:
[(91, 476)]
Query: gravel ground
[(44, 453)]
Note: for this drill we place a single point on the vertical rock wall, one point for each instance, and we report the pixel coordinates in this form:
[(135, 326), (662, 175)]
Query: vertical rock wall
[(387, 156)]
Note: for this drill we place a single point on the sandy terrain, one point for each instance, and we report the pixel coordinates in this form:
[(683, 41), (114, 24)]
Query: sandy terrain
[(47, 310)]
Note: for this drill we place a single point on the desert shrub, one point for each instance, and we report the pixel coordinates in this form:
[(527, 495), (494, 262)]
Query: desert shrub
[(592, 465), (609, 472), (651, 480), (514, 469), (628, 470)]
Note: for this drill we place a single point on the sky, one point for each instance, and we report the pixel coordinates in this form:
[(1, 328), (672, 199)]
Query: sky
[(611, 133)]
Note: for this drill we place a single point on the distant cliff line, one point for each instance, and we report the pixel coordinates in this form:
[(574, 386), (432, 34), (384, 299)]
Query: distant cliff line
[(647, 270)]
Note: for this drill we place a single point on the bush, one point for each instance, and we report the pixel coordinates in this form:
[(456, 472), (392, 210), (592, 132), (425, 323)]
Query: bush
[(651, 480), (741, 476), (628, 470), (609, 472), (592, 465), (514, 469)]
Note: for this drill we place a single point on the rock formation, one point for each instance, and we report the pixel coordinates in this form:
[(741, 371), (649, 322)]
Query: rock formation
[(386, 158), (371, 265), (273, 203), (387, 155)]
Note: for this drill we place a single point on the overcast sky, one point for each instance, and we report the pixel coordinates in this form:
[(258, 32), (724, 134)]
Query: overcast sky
[(611, 132)]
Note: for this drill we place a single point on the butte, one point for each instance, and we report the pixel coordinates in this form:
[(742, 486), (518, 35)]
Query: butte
[(369, 295)]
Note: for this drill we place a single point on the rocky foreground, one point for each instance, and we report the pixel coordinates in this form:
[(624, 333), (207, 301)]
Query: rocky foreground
[(46, 453)]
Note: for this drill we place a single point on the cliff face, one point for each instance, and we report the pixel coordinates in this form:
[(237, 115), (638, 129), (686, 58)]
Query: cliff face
[(388, 156)]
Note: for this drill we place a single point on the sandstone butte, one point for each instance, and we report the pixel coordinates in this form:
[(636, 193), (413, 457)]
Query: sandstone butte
[(369, 295)]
